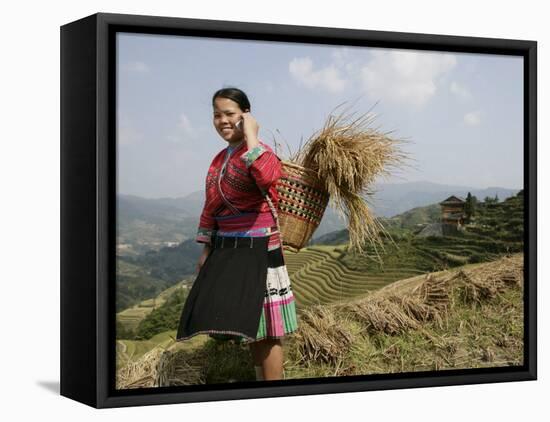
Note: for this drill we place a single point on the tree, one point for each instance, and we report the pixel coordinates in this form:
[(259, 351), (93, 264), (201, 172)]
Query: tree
[(469, 207)]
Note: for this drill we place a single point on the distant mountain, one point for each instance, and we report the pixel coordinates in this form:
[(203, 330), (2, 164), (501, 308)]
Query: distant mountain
[(192, 204), (149, 224)]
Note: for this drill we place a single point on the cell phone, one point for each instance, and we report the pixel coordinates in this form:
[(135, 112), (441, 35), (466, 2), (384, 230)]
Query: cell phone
[(239, 125)]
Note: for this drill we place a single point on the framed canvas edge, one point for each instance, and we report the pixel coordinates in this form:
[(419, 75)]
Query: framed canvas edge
[(78, 211), (105, 127)]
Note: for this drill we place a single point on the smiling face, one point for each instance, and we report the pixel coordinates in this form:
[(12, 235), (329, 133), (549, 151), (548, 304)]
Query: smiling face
[(226, 114)]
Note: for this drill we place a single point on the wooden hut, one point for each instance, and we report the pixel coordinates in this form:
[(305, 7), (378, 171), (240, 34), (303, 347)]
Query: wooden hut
[(452, 213)]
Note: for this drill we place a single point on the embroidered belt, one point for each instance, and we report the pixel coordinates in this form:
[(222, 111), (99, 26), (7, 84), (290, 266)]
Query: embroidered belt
[(237, 242), (246, 222)]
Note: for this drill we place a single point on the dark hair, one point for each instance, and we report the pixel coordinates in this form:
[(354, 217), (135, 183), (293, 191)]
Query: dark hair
[(234, 94)]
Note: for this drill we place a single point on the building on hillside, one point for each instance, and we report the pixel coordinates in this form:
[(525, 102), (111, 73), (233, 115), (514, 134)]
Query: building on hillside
[(452, 214)]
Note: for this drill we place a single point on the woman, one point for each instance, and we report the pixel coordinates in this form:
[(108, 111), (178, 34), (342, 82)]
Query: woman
[(242, 291)]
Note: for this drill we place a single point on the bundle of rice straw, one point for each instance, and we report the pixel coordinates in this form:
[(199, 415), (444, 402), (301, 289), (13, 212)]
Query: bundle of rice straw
[(347, 155)]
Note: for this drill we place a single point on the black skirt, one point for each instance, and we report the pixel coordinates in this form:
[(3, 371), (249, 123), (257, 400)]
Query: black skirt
[(228, 293)]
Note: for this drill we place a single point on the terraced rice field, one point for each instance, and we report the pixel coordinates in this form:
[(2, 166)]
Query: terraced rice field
[(320, 274), (323, 274)]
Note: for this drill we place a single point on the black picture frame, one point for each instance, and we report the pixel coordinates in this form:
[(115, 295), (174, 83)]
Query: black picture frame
[(88, 168)]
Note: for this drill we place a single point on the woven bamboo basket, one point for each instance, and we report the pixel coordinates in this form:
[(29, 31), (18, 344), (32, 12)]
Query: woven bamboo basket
[(302, 203)]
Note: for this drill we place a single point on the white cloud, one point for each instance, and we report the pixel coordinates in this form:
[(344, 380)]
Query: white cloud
[(398, 76), (135, 67), (460, 91), (472, 118), (327, 78), (406, 77)]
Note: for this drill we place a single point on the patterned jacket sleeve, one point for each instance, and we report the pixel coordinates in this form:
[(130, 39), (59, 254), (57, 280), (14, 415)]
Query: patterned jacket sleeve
[(207, 226), (207, 223), (263, 164)]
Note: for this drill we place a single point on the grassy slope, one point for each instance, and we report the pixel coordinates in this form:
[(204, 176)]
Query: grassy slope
[(471, 334)]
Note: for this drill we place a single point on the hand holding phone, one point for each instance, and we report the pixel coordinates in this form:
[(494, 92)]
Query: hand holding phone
[(251, 134), (240, 124)]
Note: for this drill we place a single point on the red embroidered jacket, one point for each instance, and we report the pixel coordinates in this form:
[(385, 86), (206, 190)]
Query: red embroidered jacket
[(235, 185)]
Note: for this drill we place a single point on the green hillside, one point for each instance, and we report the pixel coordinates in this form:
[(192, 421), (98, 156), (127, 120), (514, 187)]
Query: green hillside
[(134, 284), (145, 276), (171, 263), (130, 322), (501, 221), (416, 217)]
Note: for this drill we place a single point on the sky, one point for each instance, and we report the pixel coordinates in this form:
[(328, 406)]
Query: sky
[(461, 114)]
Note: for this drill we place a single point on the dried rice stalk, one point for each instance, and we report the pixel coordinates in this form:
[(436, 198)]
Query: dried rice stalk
[(430, 300), (484, 283), (161, 367), (180, 368), (348, 155), (321, 337), (382, 315), (141, 373)]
